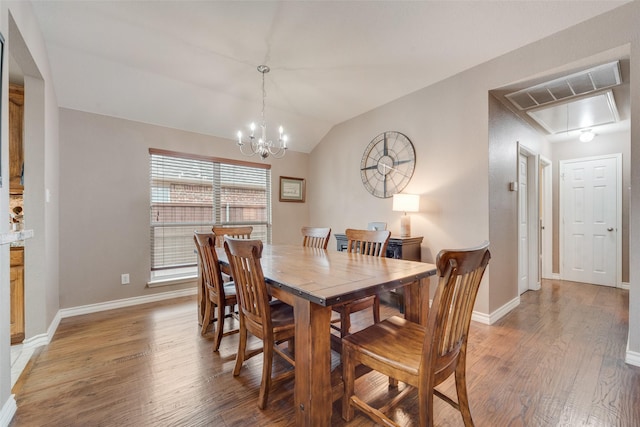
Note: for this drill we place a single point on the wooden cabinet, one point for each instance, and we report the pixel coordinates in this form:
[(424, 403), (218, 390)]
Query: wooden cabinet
[(17, 295), (16, 129)]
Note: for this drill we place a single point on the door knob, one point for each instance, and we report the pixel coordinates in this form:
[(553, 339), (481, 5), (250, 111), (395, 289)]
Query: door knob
[(610, 229)]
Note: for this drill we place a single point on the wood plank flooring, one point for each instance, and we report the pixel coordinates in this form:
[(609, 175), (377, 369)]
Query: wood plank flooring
[(556, 360)]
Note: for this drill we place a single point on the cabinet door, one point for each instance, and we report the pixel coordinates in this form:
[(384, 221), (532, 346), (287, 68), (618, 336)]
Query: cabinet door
[(16, 123), (17, 304)]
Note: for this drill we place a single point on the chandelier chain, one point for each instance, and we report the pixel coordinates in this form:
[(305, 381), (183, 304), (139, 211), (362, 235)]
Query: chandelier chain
[(264, 95)]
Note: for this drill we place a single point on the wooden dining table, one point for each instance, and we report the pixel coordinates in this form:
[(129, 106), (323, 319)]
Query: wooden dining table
[(312, 280)]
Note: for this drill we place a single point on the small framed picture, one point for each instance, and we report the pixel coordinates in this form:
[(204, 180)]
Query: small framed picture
[(292, 189)]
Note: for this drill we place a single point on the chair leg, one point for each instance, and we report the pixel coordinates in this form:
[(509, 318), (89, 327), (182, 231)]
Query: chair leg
[(291, 346), (206, 318), (265, 384), (425, 400), (219, 326), (242, 346), (345, 321), (376, 309), (461, 390), (348, 378)]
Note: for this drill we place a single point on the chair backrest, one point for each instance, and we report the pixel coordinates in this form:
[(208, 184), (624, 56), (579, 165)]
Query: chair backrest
[(368, 242), (377, 226), (240, 232), (209, 260), (316, 237), (244, 259), (460, 272)]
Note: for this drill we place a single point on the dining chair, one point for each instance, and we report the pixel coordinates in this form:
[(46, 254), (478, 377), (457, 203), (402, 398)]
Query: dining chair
[(365, 242), (270, 321), (315, 237), (421, 356), (218, 295), (238, 232)]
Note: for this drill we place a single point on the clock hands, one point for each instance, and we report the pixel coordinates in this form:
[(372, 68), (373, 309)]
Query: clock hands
[(385, 149), (370, 167), (384, 166)]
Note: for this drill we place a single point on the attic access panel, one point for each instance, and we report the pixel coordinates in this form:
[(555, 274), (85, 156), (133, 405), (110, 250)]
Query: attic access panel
[(564, 88), (583, 113)]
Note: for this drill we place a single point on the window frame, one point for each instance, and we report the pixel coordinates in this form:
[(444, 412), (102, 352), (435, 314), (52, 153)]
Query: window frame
[(177, 273)]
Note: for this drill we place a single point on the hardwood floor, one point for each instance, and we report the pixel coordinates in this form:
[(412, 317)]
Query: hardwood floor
[(556, 360)]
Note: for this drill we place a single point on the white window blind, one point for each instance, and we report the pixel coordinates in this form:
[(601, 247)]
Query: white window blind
[(190, 193)]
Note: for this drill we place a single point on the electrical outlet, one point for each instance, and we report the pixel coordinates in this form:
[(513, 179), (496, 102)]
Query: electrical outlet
[(124, 279)]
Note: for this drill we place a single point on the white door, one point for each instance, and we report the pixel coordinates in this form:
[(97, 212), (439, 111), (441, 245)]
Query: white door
[(523, 226), (546, 218), (590, 190)]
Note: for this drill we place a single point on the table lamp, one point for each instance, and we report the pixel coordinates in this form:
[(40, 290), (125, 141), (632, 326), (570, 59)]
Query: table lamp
[(405, 203)]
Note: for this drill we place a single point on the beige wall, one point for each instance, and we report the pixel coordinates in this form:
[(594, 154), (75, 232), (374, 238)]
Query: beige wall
[(104, 202), (506, 133), (451, 174), (449, 125)]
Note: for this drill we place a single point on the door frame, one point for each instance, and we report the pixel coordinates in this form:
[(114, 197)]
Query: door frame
[(618, 228), (533, 216), (546, 224)]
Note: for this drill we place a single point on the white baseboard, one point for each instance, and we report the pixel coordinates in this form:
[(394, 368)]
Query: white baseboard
[(490, 319), (624, 285), (632, 357), (127, 302), (8, 411)]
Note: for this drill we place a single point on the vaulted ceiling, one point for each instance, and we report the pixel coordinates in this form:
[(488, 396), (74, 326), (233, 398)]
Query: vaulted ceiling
[(191, 65)]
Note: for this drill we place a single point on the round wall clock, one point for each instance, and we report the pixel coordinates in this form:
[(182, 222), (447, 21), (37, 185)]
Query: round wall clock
[(387, 164)]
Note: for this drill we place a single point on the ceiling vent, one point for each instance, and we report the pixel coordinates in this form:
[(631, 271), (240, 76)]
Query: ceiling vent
[(564, 88), (593, 110)]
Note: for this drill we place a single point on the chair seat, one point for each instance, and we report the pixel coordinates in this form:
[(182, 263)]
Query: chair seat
[(230, 295), (230, 289), (394, 341), (281, 315)]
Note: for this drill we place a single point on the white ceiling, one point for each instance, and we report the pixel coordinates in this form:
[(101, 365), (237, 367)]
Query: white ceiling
[(191, 65)]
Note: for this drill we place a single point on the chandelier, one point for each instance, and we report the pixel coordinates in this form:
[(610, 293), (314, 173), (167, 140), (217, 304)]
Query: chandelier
[(261, 145)]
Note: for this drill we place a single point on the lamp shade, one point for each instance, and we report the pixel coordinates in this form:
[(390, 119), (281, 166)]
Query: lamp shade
[(406, 202)]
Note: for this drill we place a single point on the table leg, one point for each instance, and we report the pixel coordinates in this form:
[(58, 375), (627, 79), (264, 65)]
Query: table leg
[(416, 301), (313, 364)]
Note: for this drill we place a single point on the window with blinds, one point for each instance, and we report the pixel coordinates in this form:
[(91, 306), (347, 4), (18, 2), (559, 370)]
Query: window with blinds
[(191, 193)]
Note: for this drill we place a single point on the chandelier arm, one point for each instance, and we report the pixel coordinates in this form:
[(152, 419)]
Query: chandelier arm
[(243, 150)]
